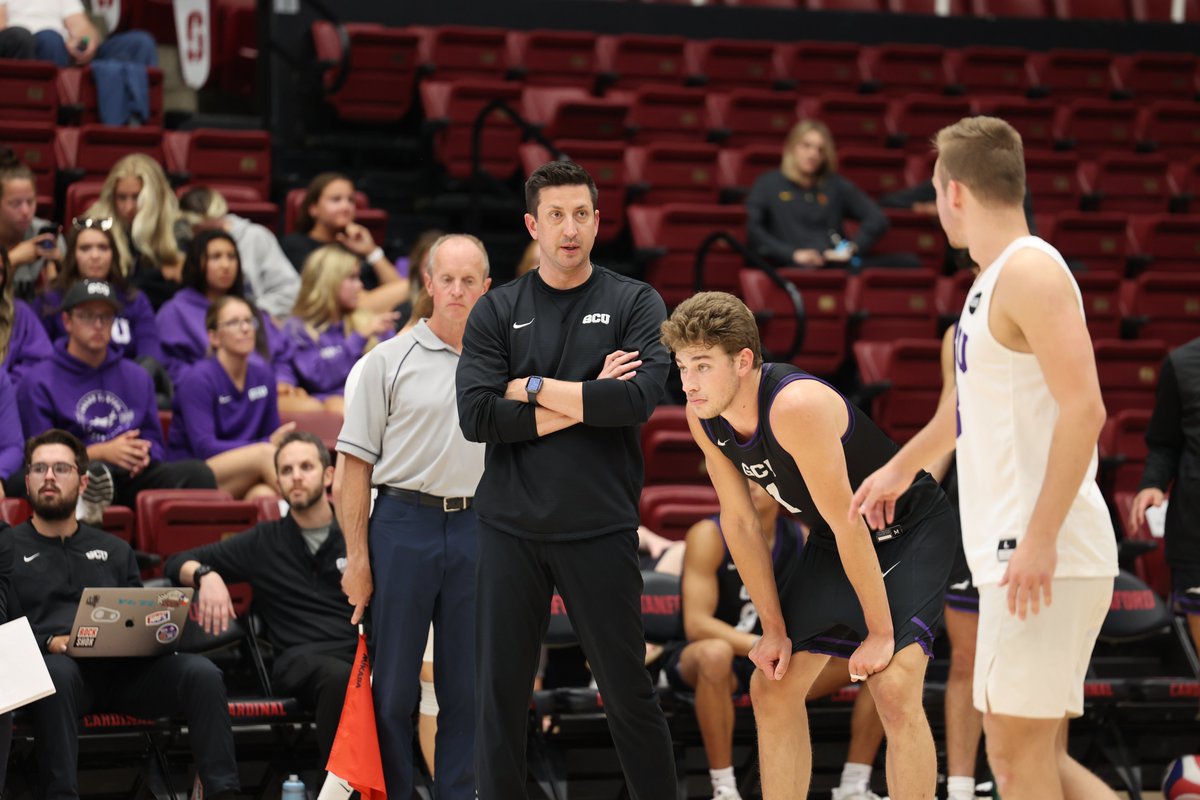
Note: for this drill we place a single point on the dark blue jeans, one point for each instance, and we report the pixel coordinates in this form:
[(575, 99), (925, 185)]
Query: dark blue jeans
[(133, 47), (119, 70)]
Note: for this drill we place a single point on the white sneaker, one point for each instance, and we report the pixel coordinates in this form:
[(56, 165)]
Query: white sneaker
[(97, 496), (865, 794), (726, 793)]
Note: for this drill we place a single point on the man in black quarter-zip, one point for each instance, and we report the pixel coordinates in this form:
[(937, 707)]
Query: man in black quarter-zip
[(559, 368)]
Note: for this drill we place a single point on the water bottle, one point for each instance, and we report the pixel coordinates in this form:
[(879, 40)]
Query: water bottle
[(293, 789)]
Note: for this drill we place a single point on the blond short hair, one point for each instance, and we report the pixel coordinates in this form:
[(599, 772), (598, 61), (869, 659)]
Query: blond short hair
[(712, 319), (984, 154), (828, 149)]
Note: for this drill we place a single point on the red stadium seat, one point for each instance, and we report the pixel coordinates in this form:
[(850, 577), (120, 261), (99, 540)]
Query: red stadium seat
[(1010, 8), (243, 201), (1163, 307), (212, 156), (1185, 179), (1073, 73), (725, 64), (28, 91), (1168, 242), (815, 67), (1093, 127), (903, 69), (666, 238), (785, 4), (738, 168), (671, 509), (995, 70), (235, 56), (845, 5), (1101, 303), (451, 108), (907, 374), (950, 295), (1169, 126), (553, 58), (453, 52), (90, 152), (1033, 119), (958, 8), (382, 70), (671, 454), (875, 170), (156, 17), (826, 318), (118, 520), (672, 172), (33, 144), (1091, 9), (1160, 10), (323, 424), (913, 234), (1123, 450), (268, 508), (1158, 76), (605, 162), (373, 219), (657, 113), (852, 119), (630, 60), (751, 116), (149, 510), (569, 112), (1128, 372), (913, 121), (1091, 242), (80, 196), (1151, 567), (14, 510), (77, 95), (887, 304), (1136, 184), (1053, 180)]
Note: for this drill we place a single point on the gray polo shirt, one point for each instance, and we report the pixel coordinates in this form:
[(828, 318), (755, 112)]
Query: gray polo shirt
[(402, 417)]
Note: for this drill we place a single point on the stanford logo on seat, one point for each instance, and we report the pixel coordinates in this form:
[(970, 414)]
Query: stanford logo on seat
[(599, 319)]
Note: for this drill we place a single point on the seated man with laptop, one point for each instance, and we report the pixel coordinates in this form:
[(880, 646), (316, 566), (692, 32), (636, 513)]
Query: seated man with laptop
[(59, 567)]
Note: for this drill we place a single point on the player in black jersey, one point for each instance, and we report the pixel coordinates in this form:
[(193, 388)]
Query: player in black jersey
[(872, 596)]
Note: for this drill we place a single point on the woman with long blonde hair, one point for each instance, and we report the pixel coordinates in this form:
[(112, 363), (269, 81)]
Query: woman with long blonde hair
[(138, 196), (327, 331)]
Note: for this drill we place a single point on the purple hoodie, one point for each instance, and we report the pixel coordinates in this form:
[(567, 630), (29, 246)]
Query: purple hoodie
[(319, 367), (12, 439), (185, 339), (134, 331), (212, 415), (28, 343), (93, 403)]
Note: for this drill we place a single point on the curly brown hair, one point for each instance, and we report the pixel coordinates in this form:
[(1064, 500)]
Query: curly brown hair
[(713, 318)]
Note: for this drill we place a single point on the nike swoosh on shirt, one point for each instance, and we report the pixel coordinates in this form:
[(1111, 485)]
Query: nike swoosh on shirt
[(892, 567), (517, 325), (31, 558), (722, 442), (962, 585)]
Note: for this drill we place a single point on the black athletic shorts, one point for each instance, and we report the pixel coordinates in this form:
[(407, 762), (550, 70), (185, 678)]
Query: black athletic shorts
[(823, 614), (961, 594), (743, 668)]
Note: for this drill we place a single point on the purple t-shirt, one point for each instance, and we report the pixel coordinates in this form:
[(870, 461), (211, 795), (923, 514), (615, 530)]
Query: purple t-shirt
[(28, 343), (319, 366), (95, 404), (185, 339), (211, 415)]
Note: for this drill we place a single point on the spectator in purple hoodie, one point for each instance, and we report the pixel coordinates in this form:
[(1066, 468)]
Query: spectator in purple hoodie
[(327, 331), (213, 269), (228, 413), (12, 438), (92, 254), (23, 340), (105, 400)]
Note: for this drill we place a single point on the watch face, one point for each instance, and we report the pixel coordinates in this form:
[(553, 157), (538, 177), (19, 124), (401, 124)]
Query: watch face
[(534, 384)]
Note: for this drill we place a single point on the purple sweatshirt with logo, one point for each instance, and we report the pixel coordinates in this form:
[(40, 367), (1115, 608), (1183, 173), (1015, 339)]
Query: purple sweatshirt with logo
[(185, 339), (134, 331), (12, 437), (211, 415), (95, 404), (28, 343), (318, 366)]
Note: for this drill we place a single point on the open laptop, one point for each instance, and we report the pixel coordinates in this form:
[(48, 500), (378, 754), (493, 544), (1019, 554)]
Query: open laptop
[(129, 621)]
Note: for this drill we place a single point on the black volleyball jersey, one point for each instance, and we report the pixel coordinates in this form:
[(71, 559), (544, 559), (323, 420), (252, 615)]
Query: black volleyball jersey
[(763, 460), (733, 599)]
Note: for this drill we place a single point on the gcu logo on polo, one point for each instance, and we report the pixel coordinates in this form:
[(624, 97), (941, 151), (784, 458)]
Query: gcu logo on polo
[(599, 319)]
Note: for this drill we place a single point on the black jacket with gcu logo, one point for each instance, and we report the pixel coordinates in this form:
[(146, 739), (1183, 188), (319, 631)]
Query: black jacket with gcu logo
[(765, 461), (585, 480), (49, 575)]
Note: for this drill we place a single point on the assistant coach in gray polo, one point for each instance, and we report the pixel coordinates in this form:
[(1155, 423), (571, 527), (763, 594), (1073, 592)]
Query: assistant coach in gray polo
[(401, 435)]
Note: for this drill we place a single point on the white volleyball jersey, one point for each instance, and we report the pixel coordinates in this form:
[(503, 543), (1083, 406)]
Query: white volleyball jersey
[(1006, 418)]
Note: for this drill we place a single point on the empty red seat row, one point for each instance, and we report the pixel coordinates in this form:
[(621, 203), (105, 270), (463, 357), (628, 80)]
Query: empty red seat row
[(1112, 10)]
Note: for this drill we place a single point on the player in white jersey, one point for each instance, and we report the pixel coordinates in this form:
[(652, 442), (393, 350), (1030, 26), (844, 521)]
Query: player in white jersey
[(1036, 533)]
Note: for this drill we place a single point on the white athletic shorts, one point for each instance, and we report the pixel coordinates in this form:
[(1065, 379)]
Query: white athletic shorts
[(1035, 667)]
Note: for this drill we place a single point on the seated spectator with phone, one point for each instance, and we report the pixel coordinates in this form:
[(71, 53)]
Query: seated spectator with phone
[(31, 242)]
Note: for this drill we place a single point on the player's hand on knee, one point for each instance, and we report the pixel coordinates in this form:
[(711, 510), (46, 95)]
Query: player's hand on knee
[(876, 496), (771, 654), (873, 655), (620, 364), (1030, 576), (358, 586)]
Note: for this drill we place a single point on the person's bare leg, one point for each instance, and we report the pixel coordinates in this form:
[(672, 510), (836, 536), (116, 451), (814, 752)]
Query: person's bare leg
[(707, 666), (334, 404), (240, 470), (260, 490), (1023, 755), (1193, 621), (1078, 783), (299, 404), (427, 723), (784, 747), (964, 723), (911, 757)]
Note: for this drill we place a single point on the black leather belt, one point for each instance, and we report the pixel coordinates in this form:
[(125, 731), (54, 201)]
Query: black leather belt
[(429, 500)]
